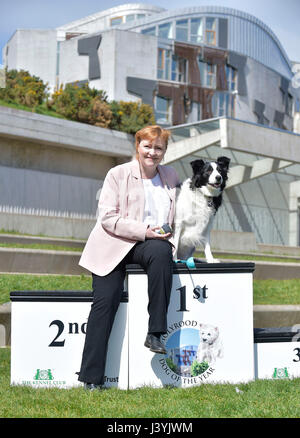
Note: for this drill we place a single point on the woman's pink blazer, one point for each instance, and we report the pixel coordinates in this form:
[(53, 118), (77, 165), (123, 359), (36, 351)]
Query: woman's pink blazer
[(120, 222)]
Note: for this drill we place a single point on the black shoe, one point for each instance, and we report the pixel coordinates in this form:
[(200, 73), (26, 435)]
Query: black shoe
[(92, 387), (154, 344)]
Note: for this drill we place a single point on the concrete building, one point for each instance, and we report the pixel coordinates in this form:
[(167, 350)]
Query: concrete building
[(190, 64), (212, 74)]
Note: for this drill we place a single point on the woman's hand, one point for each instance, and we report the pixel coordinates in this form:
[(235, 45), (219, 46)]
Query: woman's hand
[(152, 234)]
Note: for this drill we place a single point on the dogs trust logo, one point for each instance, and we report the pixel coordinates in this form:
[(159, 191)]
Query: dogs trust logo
[(193, 350)]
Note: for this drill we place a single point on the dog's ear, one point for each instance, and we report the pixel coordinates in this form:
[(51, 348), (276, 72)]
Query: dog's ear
[(223, 162), (197, 165)]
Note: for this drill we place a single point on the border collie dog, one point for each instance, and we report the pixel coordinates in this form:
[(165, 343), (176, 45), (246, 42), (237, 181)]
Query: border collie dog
[(197, 201)]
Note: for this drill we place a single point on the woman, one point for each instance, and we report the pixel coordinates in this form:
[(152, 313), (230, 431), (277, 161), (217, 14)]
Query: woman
[(137, 198)]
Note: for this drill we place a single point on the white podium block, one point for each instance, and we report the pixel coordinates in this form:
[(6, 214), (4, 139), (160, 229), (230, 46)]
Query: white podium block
[(209, 338), (47, 339), (210, 327), (277, 353)]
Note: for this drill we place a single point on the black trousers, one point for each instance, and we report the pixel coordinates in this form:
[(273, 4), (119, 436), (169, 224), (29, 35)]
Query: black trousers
[(155, 256)]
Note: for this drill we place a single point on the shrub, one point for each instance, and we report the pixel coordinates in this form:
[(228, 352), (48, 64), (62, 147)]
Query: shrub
[(23, 88), (83, 104), (131, 116), (77, 102)]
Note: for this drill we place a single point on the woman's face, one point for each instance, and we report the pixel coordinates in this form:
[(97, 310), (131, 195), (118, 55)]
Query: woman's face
[(151, 152)]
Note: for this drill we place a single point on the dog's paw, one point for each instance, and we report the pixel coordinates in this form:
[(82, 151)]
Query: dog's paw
[(213, 260)]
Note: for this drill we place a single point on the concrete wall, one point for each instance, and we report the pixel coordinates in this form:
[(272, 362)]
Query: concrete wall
[(141, 52), (35, 51), (260, 206), (116, 48), (294, 214), (263, 85), (40, 176), (49, 185), (10, 52), (297, 123), (46, 224), (22, 154), (32, 189), (72, 67)]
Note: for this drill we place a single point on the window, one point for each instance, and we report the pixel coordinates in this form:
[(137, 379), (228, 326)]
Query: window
[(210, 33), (165, 30), (297, 106), (171, 67), (178, 69), (129, 18), (218, 104), (149, 31), (182, 30), (290, 105), (223, 104), (164, 64), (231, 76), (57, 58), (211, 75), (207, 73), (140, 16), (116, 21), (231, 105), (195, 112), (162, 110), (196, 30)]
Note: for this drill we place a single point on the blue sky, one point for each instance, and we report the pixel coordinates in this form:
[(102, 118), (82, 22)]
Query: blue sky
[(282, 16), (182, 338)]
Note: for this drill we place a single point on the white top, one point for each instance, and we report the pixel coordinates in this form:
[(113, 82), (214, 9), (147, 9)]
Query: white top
[(157, 202)]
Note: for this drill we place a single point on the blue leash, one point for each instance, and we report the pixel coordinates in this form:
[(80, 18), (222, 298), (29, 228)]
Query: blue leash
[(190, 262)]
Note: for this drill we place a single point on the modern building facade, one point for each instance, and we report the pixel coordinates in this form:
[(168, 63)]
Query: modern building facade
[(195, 66), (190, 64)]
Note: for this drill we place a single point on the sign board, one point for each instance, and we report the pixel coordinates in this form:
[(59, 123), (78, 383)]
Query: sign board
[(277, 352), (210, 328), (209, 337), (48, 332)]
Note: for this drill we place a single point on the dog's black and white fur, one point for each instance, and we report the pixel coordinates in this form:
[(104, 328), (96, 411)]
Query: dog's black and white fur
[(197, 200)]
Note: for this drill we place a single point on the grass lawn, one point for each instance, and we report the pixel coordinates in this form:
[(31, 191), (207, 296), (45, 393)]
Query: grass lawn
[(258, 399), (251, 258), (264, 291), (19, 282), (39, 109), (39, 246)]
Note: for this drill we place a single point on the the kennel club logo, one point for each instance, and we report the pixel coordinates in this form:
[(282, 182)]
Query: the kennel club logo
[(193, 350), (44, 378)]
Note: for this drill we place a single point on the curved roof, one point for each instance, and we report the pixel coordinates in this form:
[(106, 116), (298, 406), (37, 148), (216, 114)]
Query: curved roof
[(244, 46), (110, 13)]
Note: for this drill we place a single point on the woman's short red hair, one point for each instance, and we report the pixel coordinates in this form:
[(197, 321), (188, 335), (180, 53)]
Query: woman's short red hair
[(150, 133)]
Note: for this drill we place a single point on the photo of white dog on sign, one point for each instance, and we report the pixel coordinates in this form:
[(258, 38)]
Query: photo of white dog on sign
[(197, 201), (210, 347)]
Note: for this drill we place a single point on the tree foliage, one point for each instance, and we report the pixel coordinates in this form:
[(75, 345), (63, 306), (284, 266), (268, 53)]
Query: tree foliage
[(23, 88)]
